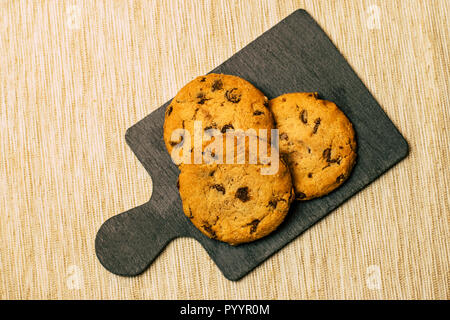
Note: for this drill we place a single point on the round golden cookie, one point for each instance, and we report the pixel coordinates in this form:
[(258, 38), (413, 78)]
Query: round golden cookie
[(219, 101), (317, 140), (235, 203)]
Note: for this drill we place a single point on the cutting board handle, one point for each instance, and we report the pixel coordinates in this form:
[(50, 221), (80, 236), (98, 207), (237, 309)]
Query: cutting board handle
[(127, 243)]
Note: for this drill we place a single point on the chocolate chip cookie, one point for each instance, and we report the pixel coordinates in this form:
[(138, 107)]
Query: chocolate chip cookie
[(218, 101), (235, 203), (317, 141)]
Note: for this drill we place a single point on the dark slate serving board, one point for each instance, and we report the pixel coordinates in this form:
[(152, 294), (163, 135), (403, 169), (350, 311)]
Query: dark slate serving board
[(295, 55)]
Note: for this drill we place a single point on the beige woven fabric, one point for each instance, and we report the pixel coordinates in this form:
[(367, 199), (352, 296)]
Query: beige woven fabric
[(75, 75)]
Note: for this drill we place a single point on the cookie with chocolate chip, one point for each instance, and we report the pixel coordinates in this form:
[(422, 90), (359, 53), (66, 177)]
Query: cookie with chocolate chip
[(217, 101), (235, 203), (317, 141)]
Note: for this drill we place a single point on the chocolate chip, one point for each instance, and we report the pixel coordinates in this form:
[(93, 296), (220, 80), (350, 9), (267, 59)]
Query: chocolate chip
[(182, 124), (284, 158), (169, 110), (174, 143), (254, 225), (217, 85), (226, 127), (195, 113), (337, 160), (203, 79), (300, 195), (202, 98), (190, 213), (233, 96), (213, 125), (340, 178), (258, 113), (283, 99), (284, 136), (310, 175), (327, 154), (219, 188), (304, 116), (207, 227), (212, 173), (316, 125), (242, 194), (273, 203)]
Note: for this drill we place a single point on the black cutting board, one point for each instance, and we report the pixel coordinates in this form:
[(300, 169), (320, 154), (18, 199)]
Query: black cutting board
[(295, 55)]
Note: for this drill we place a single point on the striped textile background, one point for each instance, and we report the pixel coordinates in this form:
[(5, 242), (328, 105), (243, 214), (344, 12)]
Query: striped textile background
[(74, 75)]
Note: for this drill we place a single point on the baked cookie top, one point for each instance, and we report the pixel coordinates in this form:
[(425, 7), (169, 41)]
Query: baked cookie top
[(235, 203), (219, 101), (317, 141)]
